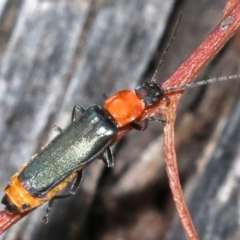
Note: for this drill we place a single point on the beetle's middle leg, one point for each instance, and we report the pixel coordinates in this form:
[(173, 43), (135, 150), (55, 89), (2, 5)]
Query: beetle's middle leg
[(74, 187), (107, 157)]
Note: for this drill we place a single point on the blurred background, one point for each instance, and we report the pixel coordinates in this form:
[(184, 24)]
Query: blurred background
[(58, 53)]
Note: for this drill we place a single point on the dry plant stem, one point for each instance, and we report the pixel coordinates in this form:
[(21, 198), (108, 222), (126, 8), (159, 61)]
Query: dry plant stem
[(174, 181), (183, 75), (7, 220), (229, 6)]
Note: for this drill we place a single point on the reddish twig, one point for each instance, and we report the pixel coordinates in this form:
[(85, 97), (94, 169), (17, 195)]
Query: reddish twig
[(7, 220)]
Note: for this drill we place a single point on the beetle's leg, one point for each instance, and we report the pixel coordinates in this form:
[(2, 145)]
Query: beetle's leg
[(77, 112), (57, 128), (143, 127), (107, 157), (161, 120), (168, 100), (105, 96), (45, 217), (138, 126), (74, 187)]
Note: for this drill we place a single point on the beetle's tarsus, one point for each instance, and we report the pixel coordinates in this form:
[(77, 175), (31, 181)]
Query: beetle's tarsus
[(77, 112), (107, 157), (57, 128), (138, 126)]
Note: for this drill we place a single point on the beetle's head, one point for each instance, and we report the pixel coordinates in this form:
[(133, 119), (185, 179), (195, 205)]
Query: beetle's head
[(150, 93)]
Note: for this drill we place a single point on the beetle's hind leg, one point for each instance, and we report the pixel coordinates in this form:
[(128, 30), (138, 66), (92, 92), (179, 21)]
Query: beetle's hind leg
[(74, 187)]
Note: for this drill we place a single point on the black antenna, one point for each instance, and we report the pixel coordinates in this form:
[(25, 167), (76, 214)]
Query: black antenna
[(154, 77), (203, 82)]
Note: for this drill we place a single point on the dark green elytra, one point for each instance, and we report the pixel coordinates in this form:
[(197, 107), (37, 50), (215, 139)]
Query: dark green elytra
[(81, 142)]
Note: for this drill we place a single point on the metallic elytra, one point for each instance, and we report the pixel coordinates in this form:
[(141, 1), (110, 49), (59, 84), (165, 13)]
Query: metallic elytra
[(85, 139)]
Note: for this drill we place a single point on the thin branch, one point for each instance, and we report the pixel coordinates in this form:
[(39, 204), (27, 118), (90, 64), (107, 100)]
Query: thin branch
[(7, 220), (174, 181)]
